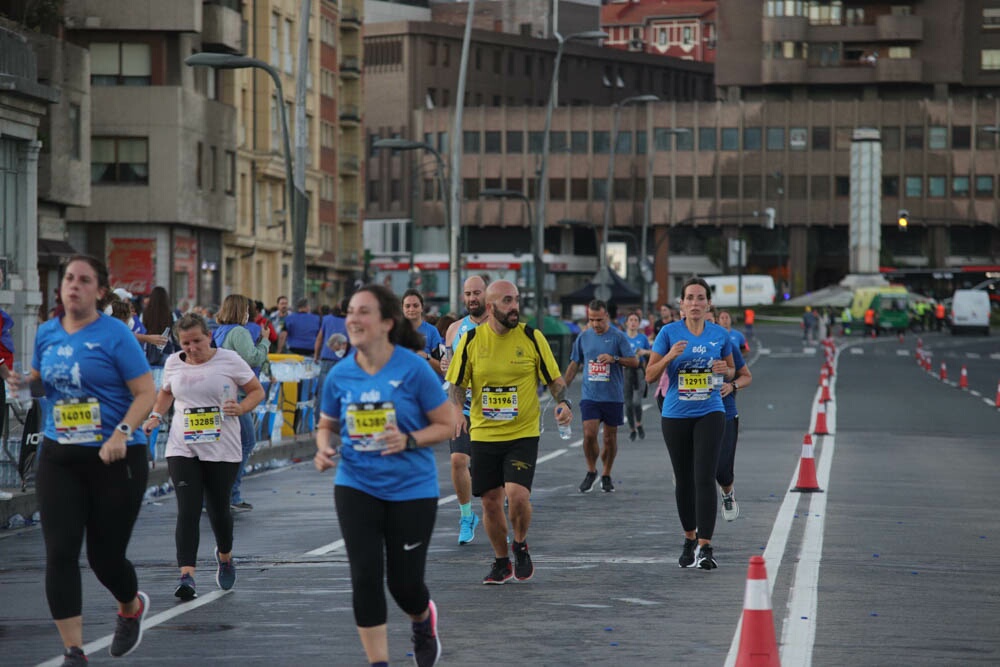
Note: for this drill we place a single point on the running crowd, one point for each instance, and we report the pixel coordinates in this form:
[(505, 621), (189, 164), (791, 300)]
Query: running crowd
[(395, 386)]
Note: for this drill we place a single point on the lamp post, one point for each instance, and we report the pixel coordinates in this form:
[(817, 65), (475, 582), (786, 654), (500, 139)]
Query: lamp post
[(298, 201), (536, 247), (411, 145), (543, 171)]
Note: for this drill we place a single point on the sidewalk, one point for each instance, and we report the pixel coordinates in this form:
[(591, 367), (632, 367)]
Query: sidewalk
[(297, 448)]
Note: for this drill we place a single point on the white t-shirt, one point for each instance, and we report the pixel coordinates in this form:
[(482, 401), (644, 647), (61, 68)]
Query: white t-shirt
[(199, 429)]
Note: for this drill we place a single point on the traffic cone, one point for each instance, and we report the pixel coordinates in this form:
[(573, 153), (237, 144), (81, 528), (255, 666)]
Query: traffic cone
[(823, 374), (920, 343), (821, 428), (824, 397), (944, 372), (758, 646), (998, 395), (829, 367), (963, 380), (807, 466), (901, 337)]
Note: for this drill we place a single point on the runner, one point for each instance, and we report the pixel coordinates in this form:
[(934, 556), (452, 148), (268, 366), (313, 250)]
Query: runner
[(473, 293), (725, 472), (413, 311), (203, 446), (382, 410), (92, 466), (503, 362), (602, 351), (635, 378), (693, 415)]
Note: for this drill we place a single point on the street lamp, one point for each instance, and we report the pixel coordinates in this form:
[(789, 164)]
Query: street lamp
[(398, 144), (647, 211), (543, 171), (298, 201), (536, 249)]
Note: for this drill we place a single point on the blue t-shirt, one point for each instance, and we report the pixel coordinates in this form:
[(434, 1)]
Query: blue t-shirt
[(602, 382), (638, 342), (302, 329), (432, 337), (411, 387), (465, 325), (93, 363), (729, 401), (690, 393), (330, 325), (738, 340)]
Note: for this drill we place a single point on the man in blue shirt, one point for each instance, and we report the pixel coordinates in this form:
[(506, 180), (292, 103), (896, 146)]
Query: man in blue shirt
[(602, 351), (413, 310), (301, 329)]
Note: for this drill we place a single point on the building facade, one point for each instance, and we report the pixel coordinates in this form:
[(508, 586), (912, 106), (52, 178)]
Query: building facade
[(683, 29)]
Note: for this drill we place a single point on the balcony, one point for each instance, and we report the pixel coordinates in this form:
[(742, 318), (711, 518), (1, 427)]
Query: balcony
[(899, 70), (349, 113), (155, 15), (222, 27), (350, 19), (783, 71), (348, 211), (850, 72), (350, 67), (785, 29), (350, 164), (900, 28)]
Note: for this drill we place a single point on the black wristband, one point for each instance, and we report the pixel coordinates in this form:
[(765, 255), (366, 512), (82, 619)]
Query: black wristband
[(569, 403), (411, 442)]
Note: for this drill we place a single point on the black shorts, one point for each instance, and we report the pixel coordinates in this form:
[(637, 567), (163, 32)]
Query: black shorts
[(463, 443), (497, 463)]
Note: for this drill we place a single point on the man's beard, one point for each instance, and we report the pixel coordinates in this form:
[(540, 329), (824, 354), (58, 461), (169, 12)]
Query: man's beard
[(509, 320), (476, 311)]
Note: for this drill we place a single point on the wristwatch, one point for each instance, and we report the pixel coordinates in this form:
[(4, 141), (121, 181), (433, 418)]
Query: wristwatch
[(411, 442), (569, 403), (616, 358), (736, 387), (125, 429)]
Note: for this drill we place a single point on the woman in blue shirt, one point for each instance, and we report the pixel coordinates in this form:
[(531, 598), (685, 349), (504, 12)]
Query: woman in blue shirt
[(92, 466), (382, 408), (635, 381), (693, 416)]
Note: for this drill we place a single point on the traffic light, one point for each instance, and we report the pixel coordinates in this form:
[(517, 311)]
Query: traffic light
[(903, 219)]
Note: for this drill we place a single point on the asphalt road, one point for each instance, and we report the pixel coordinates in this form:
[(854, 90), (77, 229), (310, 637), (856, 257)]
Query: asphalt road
[(895, 563)]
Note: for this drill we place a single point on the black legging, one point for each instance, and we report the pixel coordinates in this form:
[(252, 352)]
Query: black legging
[(693, 443), (635, 383), (212, 482), (76, 492), (725, 471), (390, 539)]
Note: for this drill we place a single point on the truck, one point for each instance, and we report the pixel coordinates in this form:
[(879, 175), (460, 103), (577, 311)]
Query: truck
[(891, 305), (757, 290)]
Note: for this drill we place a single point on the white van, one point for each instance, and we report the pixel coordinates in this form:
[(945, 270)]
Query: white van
[(757, 290), (970, 311)]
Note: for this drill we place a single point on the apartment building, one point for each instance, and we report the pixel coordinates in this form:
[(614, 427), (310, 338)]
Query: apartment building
[(683, 29)]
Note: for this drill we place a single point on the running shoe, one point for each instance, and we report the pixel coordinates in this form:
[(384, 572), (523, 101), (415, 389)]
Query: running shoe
[(74, 657), (706, 560), (524, 569), (225, 576), (730, 508), (185, 588), (242, 506), (631, 436), (426, 643), (589, 482), (467, 528), (688, 553), (128, 630), (606, 485), (642, 432), (500, 573)]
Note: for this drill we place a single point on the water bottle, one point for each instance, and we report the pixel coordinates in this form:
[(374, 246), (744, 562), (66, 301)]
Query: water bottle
[(717, 381), (565, 430), (226, 395), (165, 334)]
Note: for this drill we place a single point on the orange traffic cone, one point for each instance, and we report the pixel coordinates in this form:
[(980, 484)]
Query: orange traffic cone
[(998, 395), (758, 647), (963, 380), (823, 374), (824, 397), (821, 428), (807, 466), (944, 372)]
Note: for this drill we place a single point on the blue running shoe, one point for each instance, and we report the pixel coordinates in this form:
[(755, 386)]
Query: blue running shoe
[(185, 588), (225, 577), (467, 528)]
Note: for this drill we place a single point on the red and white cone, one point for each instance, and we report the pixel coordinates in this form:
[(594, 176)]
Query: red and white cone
[(963, 380), (824, 396), (758, 643), (807, 482), (920, 343), (823, 374), (944, 372), (821, 428), (998, 395)]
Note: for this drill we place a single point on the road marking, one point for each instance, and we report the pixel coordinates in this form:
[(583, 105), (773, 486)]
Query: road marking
[(974, 392), (995, 355), (972, 355), (857, 350), (988, 402), (639, 601), (903, 353)]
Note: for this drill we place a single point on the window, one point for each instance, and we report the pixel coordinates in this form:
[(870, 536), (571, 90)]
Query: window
[(706, 139), (821, 138), (890, 138), (557, 142), (578, 189), (601, 142), (991, 18), (119, 160), (445, 55), (557, 189), (535, 141), (515, 184), (661, 187), (751, 138), (775, 138), (286, 41), (579, 142), (914, 137), (211, 167), (395, 191), (640, 142), (936, 187), (900, 52), (937, 137), (661, 138), (961, 137), (730, 187), (443, 143), (199, 157), (275, 43), (528, 60), (470, 188), (624, 143), (470, 142), (914, 186), (684, 139), (797, 187), (684, 187), (990, 59), (374, 191), (599, 188), (328, 32), (120, 64), (328, 85), (985, 139), (819, 187), (890, 186), (960, 187), (843, 138), (798, 138), (984, 186), (706, 187), (842, 186), (492, 142), (730, 138), (515, 141), (328, 188), (751, 186), (76, 131)]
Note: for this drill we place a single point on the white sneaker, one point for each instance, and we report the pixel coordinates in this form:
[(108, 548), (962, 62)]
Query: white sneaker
[(730, 508)]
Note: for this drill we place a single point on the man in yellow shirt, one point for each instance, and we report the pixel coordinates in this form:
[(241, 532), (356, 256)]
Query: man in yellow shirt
[(502, 361)]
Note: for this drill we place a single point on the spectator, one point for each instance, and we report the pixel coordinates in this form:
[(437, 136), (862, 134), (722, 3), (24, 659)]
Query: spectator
[(301, 329)]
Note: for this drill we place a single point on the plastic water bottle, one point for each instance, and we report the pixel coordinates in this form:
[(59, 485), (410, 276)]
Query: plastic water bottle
[(717, 381), (565, 430), (227, 394)]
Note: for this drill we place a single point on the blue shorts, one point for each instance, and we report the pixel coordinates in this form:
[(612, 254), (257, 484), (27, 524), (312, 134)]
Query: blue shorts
[(610, 413)]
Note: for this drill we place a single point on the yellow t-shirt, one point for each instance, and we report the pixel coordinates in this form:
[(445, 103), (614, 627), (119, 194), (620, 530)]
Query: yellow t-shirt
[(503, 372)]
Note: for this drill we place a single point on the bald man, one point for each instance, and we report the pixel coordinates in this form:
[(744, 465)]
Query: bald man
[(502, 363)]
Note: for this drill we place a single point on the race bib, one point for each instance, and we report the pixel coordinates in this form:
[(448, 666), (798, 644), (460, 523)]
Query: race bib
[(598, 372), (365, 421), (694, 384), (202, 424), (499, 403), (77, 421)]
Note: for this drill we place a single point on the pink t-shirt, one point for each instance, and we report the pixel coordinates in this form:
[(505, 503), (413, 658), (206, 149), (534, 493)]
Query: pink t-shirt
[(199, 429)]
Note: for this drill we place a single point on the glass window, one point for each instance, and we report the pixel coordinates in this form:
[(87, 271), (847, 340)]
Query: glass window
[(843, 138), (706, 138), (601, 141), (775, 138), (557, 189), (515, 184), (960, 186), (684, 140), (797, 187), (76, 131), (624, 144), (989, 59), (730, 138), (821, 138), (535, 141), (890, 138), (936, 186), (914, 137), (730, 187), (706, 187), (985, 140), (515, 141), (640, 142), (470, 188), (914, 186), (842, 186), (661, 187), (890, 186), (961, 137), (984, 186), (578, 189), (819, 186), (798, 139), (579, 142), (662, 138), (557, 142), (471, 142), (119, 160), (120, 64), (751, 186), (599, 186), (491, 140), (684, 187), (937, 137), (623, 189), (751, 138)]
